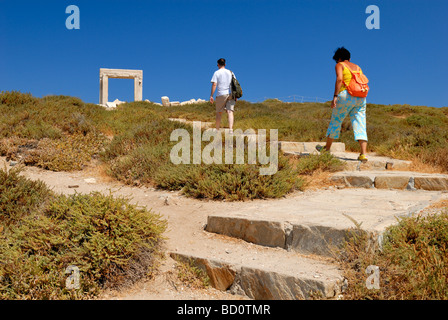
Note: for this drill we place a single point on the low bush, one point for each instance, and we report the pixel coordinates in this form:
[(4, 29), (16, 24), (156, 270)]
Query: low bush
[(135, 156), (413, 261), (20, 197), (323, 162), (229, 182), (191, 275), (58, 133), (142, 156), (110, 241)]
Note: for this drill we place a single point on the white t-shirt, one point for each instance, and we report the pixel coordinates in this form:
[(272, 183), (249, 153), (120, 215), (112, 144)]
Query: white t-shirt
[(222, 77)]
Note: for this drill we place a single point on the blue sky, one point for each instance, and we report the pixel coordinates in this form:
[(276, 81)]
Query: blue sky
[(276, 48)]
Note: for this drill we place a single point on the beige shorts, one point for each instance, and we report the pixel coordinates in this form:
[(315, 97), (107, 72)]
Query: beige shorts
[(224, 103)]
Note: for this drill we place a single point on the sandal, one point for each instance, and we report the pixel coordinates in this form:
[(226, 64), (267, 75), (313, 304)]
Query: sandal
[(320, 148), (362, 158)]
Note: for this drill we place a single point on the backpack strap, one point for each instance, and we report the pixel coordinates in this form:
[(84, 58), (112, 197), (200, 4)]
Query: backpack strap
[(357, 71), (230, 95)]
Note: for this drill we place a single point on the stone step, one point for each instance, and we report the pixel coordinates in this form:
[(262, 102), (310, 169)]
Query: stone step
[(402, 180), (302, 238), (305, 148), (375, 162), (318, 222), (268, 274), (350, 158)]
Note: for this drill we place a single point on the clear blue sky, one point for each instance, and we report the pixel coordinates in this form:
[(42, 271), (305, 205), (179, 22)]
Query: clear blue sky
[(276, 48)]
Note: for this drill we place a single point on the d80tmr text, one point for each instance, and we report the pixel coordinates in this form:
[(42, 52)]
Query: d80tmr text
[(245, 309)]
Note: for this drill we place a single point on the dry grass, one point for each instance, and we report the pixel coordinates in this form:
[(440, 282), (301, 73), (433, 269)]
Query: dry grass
[(99, 170), (435, 207), (319, 179), (418, 165), (191, 275)]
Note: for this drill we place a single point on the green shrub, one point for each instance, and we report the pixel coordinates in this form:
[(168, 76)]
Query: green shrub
[(324, 162), (419, 121), (55, 132), (229, 182), (111, 241), (418, 247), (20, 197), (16, 98), (413, 261), (136, 155), (24, 116), (192, 275), (142, 156)]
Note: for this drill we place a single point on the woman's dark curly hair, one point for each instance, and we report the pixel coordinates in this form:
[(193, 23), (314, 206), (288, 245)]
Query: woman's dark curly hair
[(341, 53)]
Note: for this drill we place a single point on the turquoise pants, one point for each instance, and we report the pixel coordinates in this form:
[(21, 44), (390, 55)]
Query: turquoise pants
[(354, 107)]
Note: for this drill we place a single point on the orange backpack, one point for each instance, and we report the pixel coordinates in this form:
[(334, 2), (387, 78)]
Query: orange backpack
[(358, 86)]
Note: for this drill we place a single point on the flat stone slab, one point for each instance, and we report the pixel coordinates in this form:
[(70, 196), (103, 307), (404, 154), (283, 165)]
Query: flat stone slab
[(375, 162), (221, 274), (432, 182), (392, 181), (271, 275), (299, 148), (263, 232), (318, 222), (404, 180)]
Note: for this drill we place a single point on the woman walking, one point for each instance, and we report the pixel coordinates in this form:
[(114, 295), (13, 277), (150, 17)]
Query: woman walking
[(348, 99)]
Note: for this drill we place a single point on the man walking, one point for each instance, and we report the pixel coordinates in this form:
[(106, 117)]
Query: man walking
[(224, 101)]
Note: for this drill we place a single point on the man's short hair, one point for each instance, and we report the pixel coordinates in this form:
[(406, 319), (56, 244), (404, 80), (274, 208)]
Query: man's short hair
[(341, 53), (222, 62)]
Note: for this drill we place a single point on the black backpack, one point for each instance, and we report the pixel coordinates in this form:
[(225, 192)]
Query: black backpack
[(235, 88)]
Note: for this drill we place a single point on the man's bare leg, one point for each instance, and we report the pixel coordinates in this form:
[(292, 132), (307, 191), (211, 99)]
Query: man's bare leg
[(230, 116), (218, 120)]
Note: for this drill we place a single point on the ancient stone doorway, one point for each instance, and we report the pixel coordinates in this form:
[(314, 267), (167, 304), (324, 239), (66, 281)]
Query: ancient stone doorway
[(105, 74)]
